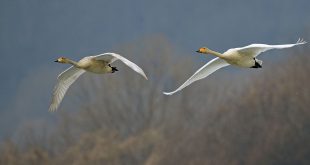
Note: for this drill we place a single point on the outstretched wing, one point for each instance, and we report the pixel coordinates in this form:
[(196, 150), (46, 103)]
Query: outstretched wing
[(65, 80), (112, 57), (203, 72), (255, 49)]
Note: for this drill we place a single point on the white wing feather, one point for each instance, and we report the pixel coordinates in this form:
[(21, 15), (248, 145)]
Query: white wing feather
[(203, 72), (255, 49), (112, 57), (65, 80)]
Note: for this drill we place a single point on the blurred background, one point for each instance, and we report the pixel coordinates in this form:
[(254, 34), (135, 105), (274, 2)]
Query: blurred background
[(236, 116)]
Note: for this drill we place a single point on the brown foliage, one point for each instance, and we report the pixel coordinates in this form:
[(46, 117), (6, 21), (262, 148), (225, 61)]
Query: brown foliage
[(249, 117)]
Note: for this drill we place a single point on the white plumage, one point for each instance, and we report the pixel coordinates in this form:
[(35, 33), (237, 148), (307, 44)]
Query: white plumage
[(241, 57), (97, 64)]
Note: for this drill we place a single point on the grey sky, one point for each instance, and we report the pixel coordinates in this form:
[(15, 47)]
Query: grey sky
[(34, 32)]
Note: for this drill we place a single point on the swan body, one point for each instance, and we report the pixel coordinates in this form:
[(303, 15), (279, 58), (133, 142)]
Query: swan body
[(99, 64), (244, 57)]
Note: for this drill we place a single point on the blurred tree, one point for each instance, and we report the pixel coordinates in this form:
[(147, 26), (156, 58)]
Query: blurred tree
[(252, 117)]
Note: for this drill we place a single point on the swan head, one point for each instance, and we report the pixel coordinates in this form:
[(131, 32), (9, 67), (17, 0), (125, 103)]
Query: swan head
[(203, 50), (62, 60)]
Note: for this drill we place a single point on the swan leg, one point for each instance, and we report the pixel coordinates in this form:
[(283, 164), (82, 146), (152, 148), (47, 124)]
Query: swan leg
[(257, 64)]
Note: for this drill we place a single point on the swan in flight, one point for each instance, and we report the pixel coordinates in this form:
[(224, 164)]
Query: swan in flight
[(99, 64), (242, 57)]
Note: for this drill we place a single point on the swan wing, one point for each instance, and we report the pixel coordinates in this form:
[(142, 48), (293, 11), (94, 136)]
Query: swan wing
[(255, 49), (107, 57), (201, 73), (65, 80), (112, 57)]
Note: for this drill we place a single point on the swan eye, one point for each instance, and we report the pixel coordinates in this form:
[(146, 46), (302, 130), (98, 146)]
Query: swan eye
[(61, 60)]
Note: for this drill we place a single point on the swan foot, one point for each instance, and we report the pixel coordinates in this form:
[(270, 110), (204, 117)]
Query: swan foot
[(257, 64), (114, 69)]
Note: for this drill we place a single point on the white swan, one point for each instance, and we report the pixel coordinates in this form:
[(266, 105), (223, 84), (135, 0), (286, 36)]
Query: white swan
[(97, 64), (242, 57)]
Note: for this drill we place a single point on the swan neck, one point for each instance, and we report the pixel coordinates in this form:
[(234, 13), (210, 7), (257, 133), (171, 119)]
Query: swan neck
[(216, 53), (73, 62)]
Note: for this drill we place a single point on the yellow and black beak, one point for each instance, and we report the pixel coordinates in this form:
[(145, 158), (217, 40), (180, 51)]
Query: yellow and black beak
[(198, 51), (56, 60)]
